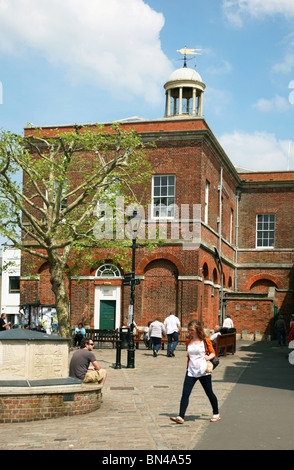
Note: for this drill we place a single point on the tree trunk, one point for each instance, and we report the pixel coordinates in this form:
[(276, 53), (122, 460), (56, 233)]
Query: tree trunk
[(61, 298)]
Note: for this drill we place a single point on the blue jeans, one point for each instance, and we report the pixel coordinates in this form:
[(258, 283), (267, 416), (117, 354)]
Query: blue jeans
[(189, 383), (171, 346), (156, 342), (281, 336)]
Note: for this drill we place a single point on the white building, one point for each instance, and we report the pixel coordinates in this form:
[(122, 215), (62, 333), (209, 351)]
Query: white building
[(10, 288)]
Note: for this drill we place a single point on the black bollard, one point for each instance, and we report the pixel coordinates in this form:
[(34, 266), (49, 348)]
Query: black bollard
[(118, 354)]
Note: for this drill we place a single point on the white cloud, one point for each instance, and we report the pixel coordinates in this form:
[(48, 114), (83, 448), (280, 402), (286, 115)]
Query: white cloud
[(114, 44), (259, 151), (277, 104), (235, 10)]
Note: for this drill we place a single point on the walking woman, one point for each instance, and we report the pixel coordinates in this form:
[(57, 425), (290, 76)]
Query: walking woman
[(200, 351)]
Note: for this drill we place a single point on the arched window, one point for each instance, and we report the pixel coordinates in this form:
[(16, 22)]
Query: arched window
[(205, 271), (108, 270)]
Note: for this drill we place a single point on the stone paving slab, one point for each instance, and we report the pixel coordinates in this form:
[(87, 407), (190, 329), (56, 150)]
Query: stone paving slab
[(136, 409)]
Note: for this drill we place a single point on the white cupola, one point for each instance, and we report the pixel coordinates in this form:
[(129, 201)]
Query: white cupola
[(184, 91)]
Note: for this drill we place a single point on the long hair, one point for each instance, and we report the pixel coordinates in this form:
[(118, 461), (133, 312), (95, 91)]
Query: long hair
[(200, 331)]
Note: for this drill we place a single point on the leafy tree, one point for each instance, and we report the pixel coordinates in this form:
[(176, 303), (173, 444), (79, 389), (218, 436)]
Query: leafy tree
[(51, 214)]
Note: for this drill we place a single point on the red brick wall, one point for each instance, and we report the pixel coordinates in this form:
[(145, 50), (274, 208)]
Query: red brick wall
[(275, 200), (21, 407), (251, 315)]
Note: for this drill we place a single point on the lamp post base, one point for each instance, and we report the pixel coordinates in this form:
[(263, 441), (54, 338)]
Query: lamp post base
[(131, 358)]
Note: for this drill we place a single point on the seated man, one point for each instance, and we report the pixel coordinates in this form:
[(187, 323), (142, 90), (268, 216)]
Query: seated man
[(215, 333), (80, 361)]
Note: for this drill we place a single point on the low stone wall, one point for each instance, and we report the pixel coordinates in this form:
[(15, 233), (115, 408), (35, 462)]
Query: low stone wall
[(19, 404)]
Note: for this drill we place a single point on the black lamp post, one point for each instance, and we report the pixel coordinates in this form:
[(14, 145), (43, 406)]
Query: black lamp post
[(134, 224), (222, 285)]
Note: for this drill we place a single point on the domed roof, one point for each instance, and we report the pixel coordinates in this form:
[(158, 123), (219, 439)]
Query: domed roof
[(185, 73)]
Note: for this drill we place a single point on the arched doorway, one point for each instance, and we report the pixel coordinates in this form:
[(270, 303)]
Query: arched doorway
[(107, 298), (160, 295)]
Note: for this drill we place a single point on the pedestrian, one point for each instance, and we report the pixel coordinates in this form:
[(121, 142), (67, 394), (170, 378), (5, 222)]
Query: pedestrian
[(80, 362), (79, 334), (3, 324), (228, 322), (200, 351), (172, 326), (156, 330), (280, 326)]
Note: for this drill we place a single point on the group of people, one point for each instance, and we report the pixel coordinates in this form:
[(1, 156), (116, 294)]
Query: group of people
[(84, 366), (171, 327)]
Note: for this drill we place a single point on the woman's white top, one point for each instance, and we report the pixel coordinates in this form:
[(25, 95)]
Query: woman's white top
[(197, 364)]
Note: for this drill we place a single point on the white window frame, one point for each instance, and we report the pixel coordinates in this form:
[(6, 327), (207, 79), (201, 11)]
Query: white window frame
[(264, 227), (108, 270), (165, 211)]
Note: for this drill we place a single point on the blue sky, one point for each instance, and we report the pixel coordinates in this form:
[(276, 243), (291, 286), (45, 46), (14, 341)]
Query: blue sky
[(98, 61)]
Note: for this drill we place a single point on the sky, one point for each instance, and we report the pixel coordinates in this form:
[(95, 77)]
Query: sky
[(103, 60)]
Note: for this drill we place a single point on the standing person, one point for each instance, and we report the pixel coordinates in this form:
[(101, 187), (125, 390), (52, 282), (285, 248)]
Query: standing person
[(156, 330), (173, 329), (281, 330), (3, 324), (80, 361), (79, 334), (228, 322), (200, 351)]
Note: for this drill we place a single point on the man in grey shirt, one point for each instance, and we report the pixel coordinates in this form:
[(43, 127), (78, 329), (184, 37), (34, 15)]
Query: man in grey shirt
[(80, 361), (156, 330)]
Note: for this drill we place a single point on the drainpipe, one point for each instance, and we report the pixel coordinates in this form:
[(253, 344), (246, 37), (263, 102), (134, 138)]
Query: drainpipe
[(238, 195)]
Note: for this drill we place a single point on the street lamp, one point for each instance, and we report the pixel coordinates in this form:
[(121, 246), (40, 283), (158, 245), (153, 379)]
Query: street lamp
[(134, 224)]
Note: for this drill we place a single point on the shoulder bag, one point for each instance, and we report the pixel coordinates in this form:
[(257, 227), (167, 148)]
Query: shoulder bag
[(213, 363)]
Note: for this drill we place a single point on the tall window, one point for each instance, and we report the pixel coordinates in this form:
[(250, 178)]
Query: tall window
[(163, 196), (206, 202), (231, 225), (265, 230)]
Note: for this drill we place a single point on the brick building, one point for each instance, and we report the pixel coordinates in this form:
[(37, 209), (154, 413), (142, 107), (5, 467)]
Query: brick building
[(229, 233)]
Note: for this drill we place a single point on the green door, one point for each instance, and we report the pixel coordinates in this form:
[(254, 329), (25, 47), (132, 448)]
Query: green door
[(107, 315)]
